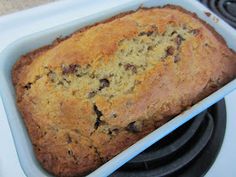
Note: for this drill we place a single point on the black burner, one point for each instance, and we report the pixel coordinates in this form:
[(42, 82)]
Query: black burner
[(188, 151), (226, 9)]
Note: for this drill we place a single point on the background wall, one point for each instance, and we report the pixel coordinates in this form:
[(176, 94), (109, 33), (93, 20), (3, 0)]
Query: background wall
[(9, 6)]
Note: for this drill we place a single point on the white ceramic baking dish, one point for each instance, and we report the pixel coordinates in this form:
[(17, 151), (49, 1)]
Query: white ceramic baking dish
[(10, 54)]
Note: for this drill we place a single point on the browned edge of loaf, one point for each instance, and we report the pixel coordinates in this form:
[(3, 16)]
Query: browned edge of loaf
[(29, 57)]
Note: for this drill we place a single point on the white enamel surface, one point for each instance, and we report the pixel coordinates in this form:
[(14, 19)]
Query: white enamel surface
[(225, 163), (9, 163), (38, 19)]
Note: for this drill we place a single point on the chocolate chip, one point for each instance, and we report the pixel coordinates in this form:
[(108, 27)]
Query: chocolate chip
[(113, 115), (88, 66), (112, 131), (92, 94), (74, 92), (97, 123), (99, 114), (115, 130), (37, 77), (28, 86), (133, 127), (148, 33), (67, 81), (104, 83), (109, 132), (68, 139), (179, 40), (176, 58), (150, 47), (92, 76), (72, 68), (154, 27), (130, 67), (142, 33), (174, 32), (70, 152), (111, 96), (195, 31), (60, 83), (170, 50)]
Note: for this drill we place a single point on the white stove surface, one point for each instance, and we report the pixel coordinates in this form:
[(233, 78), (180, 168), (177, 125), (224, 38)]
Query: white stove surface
[(26, 22)]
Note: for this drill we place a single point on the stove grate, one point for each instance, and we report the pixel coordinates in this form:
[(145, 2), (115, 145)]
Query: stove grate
[(188, 151), (226, 9)]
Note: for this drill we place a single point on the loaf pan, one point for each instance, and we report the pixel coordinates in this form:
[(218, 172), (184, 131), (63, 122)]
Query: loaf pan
[(10, 54)]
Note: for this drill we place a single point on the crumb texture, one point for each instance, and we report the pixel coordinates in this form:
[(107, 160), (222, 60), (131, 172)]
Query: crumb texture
[(86, 98)]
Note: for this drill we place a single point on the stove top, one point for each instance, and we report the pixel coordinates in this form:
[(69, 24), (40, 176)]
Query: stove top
[(182, 152), (226, 9)]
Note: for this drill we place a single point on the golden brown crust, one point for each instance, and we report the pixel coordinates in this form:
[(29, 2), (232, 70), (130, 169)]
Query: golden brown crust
[(72, 132)]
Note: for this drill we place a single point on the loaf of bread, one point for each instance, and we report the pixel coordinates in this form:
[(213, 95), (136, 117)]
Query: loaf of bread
[(86, 98)]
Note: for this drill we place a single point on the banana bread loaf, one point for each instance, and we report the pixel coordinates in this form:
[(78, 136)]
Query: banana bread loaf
[(86, 98)]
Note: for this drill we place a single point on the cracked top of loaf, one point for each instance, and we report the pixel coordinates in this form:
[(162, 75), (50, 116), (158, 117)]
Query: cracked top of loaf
[(89, 96)]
